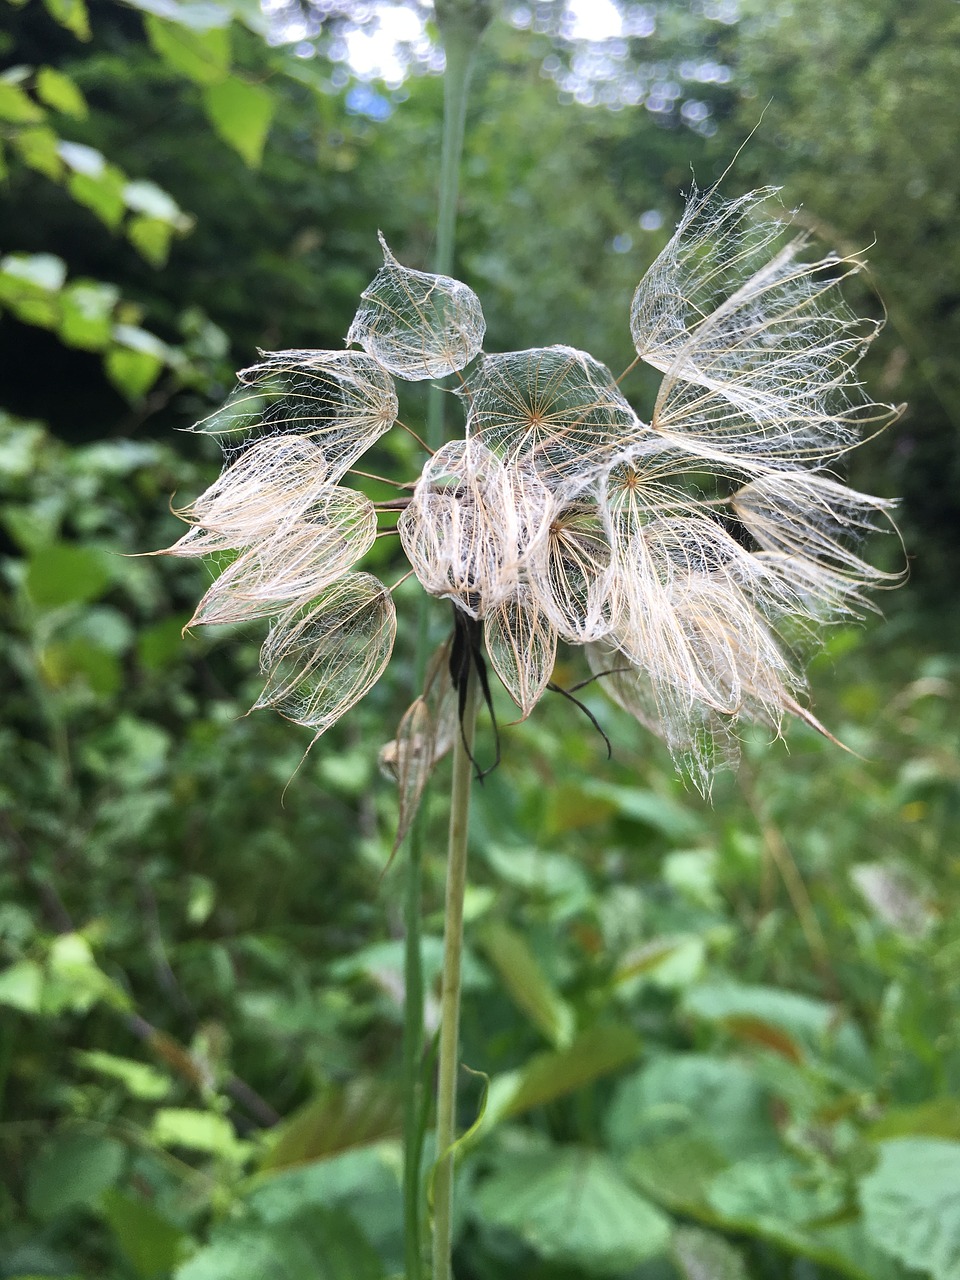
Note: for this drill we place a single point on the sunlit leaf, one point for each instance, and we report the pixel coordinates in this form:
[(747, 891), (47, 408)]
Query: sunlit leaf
[(201, 56), (58, 91), (241, 113)]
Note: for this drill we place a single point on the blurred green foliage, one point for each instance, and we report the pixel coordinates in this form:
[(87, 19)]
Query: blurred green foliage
[(706, 1040)]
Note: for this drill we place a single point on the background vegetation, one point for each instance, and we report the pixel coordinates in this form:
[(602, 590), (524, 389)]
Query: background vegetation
[(721, 1040)]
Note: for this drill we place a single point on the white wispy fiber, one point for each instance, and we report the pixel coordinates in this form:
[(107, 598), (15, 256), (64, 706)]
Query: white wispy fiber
[(691, 556)]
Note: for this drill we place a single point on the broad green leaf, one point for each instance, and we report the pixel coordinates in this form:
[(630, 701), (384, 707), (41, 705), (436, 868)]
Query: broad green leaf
[(595, 1053), (150, 1241), (366, 1181), (61, 93), (702, 1255), (663, 813), (716, 1100), (138, 1078), (62, 574), (677, 1171), (241, 113), (16, 107), (74, 1168), (792, 1025), (319, 1245), (132, 372), (775, 1196), (64, 662), (201, 56), (101, 193), (74, 979), (29, 285), (71, 14), (39, 149), (911, 1204), (938, 1118), (82, 159), (41, 271), (86, 311), (21, 986), (149, 199), (527, 984), (201, 15), (150, 237), (573, 1206), (198, 1131), (362, 1112)]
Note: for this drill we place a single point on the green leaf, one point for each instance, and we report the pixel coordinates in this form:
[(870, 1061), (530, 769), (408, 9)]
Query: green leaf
[(39, 271), (241, 113), (149, 199), (938, 1118), (64, 662), (319, 1245), (662, 813), (71, 14), (102, 193), (151, 238), (202, 15), (39, 150), (74, 1168), (775, 1197), (132, 372), (201, 56), (595, 1053), (702, 1255), (347, 1116), (62, 574), (61, 93), (573, 1206), (138, 1078), (86, 314), (676, 1172), (21, 986), (198, 1131), (16, 106), (792, 1025), (150, 1241), (911, 1204), (527, 984), (717, 1100), (74, 979)]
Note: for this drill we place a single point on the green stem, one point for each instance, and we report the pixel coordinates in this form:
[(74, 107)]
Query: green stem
[(459, 48), (450, 992)]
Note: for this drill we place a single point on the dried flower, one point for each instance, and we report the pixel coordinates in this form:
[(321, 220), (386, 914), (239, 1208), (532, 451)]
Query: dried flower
[(688, 556)]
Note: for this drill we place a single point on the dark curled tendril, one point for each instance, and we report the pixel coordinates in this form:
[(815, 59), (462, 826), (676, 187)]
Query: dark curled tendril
[(466, 651), (568, 694)]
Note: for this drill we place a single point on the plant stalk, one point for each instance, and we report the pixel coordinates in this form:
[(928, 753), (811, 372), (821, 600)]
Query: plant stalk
[(450, 992), (459, 47)]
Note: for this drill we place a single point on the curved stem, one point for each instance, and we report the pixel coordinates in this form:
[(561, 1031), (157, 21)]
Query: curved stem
[(450, 992)]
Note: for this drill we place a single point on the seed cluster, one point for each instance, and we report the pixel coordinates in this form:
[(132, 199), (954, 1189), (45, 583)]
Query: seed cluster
[(690, 556)]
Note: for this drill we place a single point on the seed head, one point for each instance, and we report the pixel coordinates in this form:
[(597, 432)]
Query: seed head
[(688, 556)]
